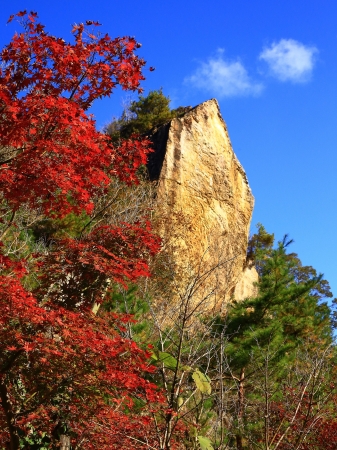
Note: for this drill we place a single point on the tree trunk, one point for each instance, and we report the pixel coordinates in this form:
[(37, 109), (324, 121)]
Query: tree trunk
[(241, 399), (64, 442), (7, 407)]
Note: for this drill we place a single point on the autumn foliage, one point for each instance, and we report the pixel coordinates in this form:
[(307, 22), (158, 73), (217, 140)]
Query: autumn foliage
[(259, 376), (56, 159), (64, 370)]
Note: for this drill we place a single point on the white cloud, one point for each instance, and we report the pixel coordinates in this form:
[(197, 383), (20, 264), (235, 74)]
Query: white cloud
[(223, 78), (289, 60)]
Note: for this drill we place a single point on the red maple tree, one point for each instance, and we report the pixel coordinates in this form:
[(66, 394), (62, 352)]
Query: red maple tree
[(305, 419), (66, 373)]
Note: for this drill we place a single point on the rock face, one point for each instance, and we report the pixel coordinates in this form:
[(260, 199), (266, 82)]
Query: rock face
[(204, 196), (245, 286)]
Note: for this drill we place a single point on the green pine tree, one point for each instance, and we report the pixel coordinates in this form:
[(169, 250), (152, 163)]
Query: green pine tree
[(141, 116), (268, 329)]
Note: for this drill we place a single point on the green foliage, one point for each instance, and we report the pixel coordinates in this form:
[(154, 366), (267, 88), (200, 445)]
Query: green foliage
[(262, 336), (47, 229), (143, 115), (286, 310), (259, 245), (205, 443), (260, 248), (165, 358), (35, 440), (246, 354), (148, 112), (127, 301), (202, 382)]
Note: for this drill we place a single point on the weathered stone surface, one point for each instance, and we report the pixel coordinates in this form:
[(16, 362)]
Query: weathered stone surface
[(204, 196), (246, 284)]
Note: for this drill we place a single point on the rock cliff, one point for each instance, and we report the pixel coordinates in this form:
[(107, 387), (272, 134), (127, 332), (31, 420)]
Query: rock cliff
[(206, 202)]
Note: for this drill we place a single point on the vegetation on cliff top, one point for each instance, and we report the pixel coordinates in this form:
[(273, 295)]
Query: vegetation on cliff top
[(144, 115)]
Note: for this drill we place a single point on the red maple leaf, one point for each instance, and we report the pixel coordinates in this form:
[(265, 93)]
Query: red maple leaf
[(61, 364)]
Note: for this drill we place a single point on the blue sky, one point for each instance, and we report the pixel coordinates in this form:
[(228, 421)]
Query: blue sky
[(272, 65)]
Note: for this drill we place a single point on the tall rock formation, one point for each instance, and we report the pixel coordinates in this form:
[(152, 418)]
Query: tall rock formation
[(206, 204)]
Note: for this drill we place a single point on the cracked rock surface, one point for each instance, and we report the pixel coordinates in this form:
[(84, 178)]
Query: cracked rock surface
[(203, 192)]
